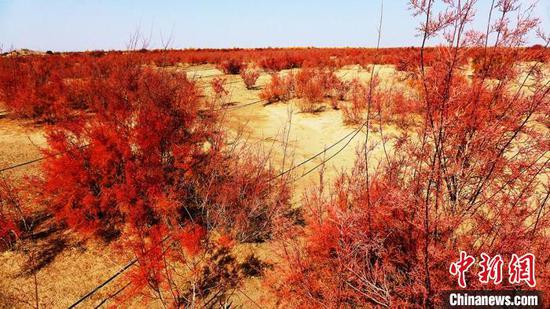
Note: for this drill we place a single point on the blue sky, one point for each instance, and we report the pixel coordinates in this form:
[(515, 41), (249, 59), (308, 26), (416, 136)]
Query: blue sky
[(63, 25)]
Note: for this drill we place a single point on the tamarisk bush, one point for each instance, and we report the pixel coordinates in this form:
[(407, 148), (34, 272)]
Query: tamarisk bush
[(311, 85), (250, 75), (276, 63), (232, 66), (314, 85), (218, 86), (151, 171), (281, 88), (354, 112), (53, 87), (33, 88), (470, 175)]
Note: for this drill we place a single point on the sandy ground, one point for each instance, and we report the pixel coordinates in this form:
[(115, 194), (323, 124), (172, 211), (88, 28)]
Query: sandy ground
[(80, 267)]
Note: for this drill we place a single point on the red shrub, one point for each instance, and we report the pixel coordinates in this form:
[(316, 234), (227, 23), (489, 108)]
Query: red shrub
[(354, 111), (279, 62), (309, 85), (407, 61), (33, 88), (496, 64), (250, 75), (354, 253), (218, 85), (231, 66), (279, 89), (154, 169), (314, 85), (469, 175)]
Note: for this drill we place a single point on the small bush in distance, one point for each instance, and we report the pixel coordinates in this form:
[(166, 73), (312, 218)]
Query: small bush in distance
[(313, 85), (250, 75), (309, 85), (218, 86), (231, 66), (279, 89), (353, 112)]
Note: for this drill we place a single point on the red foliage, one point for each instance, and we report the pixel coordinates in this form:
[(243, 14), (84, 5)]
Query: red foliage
[(469, 175), (33, 88), (314, 85), (279, 89), (466, 172), (407, 60), (354, 112), (286, 61), (495, 64), (355, 253), (250, 75), (139, 127), (310, 85), (232, 66), (147, 167), (225, 241), (190, 238), (218, 85), (58, 86)]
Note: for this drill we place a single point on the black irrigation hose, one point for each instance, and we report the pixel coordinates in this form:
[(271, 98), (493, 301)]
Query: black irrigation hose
[(23, 164), (354, 133), (112, 295), (97, 288), (334, 155), (111, 278), (234, 107), (7, 168)]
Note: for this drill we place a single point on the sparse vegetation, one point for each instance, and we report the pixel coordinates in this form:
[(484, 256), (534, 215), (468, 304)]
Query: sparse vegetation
[(280, 88), (250, 75), (441, 149)]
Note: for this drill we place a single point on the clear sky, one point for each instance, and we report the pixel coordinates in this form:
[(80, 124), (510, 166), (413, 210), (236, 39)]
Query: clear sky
[(69, 25)]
